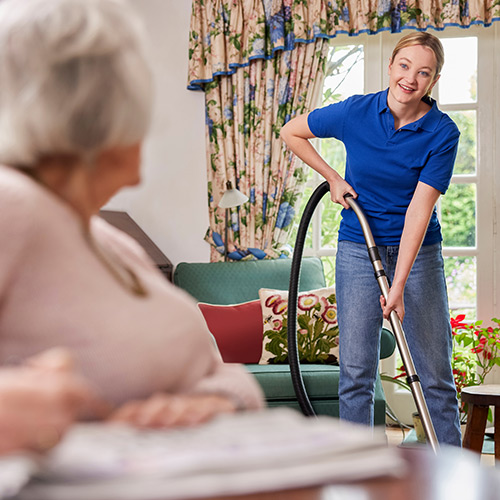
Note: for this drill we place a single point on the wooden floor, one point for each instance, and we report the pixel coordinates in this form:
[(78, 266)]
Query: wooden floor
[(395, 437)]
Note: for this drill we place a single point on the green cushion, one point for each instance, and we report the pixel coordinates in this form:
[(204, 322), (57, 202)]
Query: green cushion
[(321, 383), (237, 282)]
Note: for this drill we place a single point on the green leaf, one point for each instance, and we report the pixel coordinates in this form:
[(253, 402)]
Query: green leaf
[(303, 321), (323, 346), (318, 328), (396, 381), (275, 347), (333, 332)]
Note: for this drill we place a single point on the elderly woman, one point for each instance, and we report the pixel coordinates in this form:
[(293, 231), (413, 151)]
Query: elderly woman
[(75, 102)]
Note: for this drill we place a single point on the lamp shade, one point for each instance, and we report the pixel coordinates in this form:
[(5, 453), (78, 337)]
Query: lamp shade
[(232, 197)]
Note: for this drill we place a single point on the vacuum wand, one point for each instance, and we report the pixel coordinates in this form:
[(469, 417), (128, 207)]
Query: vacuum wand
[(412, 377)]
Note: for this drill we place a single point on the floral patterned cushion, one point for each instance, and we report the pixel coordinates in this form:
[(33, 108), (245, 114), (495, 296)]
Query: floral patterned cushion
[(317, 326)]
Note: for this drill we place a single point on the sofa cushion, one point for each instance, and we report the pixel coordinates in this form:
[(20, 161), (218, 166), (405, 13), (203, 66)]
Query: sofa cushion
[(237, 329), (321, 383), (237, 282), (317, 326)]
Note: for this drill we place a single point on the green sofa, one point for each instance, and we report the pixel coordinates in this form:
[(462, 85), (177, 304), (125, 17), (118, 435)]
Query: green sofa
[(236, 282)]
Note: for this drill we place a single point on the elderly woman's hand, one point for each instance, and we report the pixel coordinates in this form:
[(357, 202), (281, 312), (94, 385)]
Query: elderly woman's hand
[(173, 410), (40, 400)]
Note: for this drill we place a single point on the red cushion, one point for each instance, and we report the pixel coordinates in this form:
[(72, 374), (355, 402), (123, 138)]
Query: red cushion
[(237, 329)]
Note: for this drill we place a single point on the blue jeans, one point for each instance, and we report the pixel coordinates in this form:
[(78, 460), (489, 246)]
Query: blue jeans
[(426, 325)]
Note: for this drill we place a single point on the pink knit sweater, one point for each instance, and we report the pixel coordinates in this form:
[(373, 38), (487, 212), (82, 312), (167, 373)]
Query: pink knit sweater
[(56, 291)]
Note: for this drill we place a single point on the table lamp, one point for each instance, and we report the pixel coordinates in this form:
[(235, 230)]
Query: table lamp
[(230, 199)]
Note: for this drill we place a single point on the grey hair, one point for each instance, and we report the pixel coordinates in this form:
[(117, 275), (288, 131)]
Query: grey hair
[(74, 78)]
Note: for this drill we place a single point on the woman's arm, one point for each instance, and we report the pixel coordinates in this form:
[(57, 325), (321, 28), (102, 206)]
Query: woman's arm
[(416, 221), (40, 400), (205, 386), (296, 134), (229, 389)]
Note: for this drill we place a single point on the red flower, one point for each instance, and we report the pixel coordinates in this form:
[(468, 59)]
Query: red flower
[(403, 372), (457, 322)]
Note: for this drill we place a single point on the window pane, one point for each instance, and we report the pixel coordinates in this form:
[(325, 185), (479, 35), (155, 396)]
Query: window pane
[(466, 156), (344, 78), (458, 216), (308, 190), (344, 73), (458, 82), (333, 152), (461, 281), (330, 221), (329, 269)]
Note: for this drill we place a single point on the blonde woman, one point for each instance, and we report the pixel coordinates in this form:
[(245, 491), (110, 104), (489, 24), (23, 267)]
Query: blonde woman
[(400, 154)]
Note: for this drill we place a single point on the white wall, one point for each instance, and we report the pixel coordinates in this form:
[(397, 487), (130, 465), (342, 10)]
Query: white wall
[(170, 204)]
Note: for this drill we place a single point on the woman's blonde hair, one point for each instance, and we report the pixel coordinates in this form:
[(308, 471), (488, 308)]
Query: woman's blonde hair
[(74, 78), (426, 40)]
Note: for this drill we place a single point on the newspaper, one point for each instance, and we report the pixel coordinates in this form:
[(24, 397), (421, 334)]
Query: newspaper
[(248, 452)]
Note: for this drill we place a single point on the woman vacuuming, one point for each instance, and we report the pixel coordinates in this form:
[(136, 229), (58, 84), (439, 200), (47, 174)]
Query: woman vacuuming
[(400, 154)]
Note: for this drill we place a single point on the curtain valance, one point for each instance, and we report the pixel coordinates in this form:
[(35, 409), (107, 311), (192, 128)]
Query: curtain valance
[(227, 34)]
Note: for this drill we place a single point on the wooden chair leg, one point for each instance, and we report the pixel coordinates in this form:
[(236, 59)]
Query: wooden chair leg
[(476, 425)]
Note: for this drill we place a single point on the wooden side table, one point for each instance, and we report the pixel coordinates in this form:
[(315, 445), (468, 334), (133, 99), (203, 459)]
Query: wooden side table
[(123, 221), (479, 399)]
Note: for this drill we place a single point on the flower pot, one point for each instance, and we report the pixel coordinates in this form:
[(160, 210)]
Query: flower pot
[(419, 428)]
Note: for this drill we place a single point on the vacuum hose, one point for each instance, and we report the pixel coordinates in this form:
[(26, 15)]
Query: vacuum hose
[(293, 355)]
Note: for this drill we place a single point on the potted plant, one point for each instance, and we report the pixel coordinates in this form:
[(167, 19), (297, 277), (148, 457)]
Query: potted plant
[(476, 351)]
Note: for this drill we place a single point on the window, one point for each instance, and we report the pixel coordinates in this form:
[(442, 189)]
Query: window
[(344, 77), (457, 95)]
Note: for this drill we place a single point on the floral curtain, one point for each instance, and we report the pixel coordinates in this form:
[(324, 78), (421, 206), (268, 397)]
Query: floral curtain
[(244, 114), (227, 34), (260, 62)]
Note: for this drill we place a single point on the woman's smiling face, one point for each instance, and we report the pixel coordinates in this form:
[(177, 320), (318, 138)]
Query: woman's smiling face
[(412, 74)]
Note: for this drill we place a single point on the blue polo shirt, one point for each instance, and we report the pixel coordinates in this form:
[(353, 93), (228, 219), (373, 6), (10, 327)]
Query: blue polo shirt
[(384, 165)]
